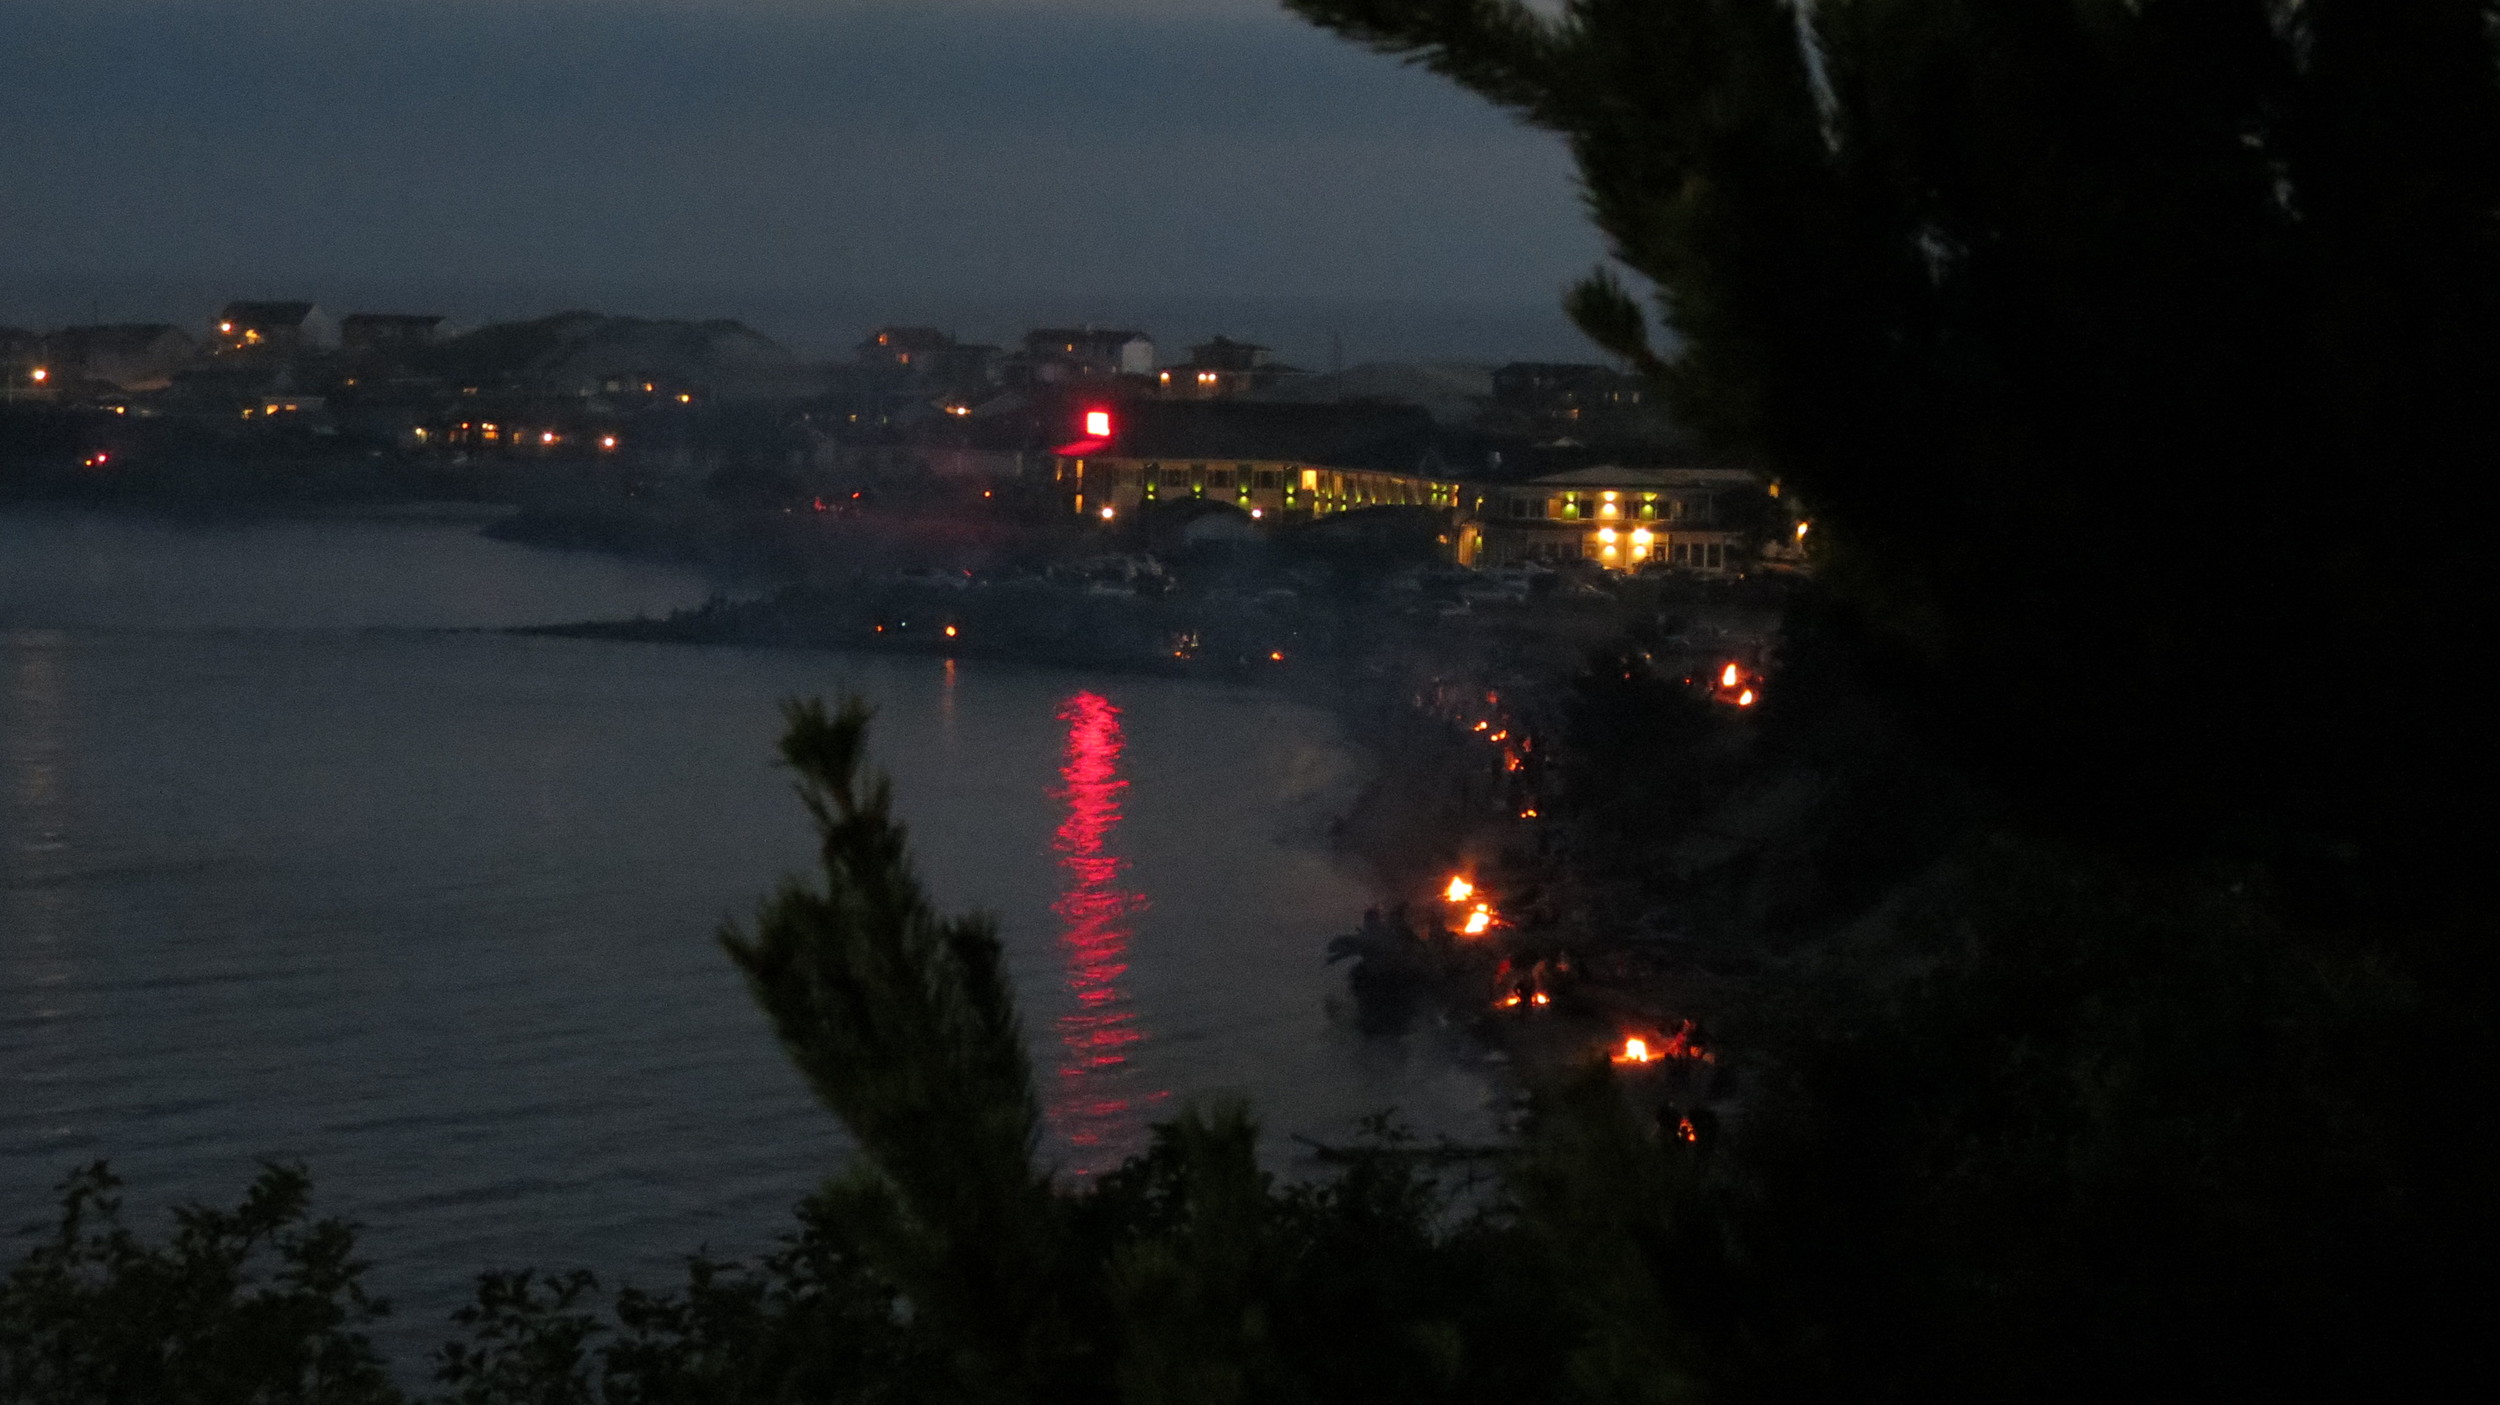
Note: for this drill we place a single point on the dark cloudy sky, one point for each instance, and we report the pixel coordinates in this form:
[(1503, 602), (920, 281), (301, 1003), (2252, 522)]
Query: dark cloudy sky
[(804, 163)]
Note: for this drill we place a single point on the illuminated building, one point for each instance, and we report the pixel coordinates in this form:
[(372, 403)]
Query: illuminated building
[(1222, 367), (1621, 519), (273, 328), (1277, 461)]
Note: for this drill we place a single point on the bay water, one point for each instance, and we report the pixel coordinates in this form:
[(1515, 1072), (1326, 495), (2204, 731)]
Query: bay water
[(302, 858)]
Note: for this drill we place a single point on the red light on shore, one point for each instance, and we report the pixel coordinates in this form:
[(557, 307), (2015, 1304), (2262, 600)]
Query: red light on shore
[(1098, 424)]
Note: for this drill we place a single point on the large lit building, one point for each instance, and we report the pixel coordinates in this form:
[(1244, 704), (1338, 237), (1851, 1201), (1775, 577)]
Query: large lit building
[(1619, 518), (1271, 461)]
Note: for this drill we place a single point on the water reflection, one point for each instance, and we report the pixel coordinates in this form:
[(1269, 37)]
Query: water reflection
[(35, 822), (1092, 1109)]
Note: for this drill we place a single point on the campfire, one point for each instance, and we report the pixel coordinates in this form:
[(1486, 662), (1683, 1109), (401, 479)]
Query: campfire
[(1650, 1048)]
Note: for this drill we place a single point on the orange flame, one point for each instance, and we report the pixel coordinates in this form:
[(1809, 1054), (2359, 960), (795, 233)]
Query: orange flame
[(1540, 998), (1641, 1049), (1460, 890), (1478, 921), (1729, 675)]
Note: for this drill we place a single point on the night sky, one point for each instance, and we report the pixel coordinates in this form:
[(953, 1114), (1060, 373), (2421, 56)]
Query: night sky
[(1192, 165)]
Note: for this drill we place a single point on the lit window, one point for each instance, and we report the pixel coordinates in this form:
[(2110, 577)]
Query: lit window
[(1098, 423)]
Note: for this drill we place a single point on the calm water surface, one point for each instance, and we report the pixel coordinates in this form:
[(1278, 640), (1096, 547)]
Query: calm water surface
[(288, 870)]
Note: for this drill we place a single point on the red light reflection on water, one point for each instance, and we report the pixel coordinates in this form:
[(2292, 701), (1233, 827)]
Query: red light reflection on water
[(1092, 1113)]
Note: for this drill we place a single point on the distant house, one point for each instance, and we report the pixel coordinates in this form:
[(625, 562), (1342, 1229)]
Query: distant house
[(1060, 355), (387, 332), (137, 356), (278, 327), (1565, 389), (1617, 518), (1271, 461), (1575, 400), (21, 356), (1223, 367), (904, 348)]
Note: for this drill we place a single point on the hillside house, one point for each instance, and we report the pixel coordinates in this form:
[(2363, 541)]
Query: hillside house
[(276, 328)]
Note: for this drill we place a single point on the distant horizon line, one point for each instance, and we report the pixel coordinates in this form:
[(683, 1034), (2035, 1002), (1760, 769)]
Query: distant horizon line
[(824, 318)]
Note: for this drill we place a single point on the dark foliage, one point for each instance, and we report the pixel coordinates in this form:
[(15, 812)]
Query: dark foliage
[(2128, 353), (259, 1305)]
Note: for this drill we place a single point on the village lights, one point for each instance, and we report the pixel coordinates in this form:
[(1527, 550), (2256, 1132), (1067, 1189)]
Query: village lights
[(1098, 424), (1109, 512), (1635, 1050), (1729, 675), (1801, 530), (607, 442), (547, 437), (950, 631), (39, 375), (1479, 921), (1460, 890)]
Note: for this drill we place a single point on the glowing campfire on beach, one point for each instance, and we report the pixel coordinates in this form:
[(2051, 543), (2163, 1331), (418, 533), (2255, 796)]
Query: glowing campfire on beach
[(1479, 918), (1650, 1049)]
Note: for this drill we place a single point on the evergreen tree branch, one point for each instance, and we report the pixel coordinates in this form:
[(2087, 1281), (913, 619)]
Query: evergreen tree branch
[(903, 1024)]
